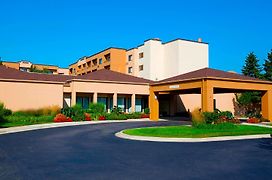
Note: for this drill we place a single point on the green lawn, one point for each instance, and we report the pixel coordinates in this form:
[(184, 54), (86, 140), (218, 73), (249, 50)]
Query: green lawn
[(192, 132)]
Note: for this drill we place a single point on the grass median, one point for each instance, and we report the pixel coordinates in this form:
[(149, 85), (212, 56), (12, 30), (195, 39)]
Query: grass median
[(193, 132)]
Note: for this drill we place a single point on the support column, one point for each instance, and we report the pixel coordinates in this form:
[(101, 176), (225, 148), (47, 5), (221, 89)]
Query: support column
[(73, 98), (133, 102), (153, 105), (207, 97), (267, 105), (95, 97), (115, 99)]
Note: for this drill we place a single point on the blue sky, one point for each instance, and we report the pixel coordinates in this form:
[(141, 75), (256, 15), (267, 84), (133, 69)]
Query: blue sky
[(60, 32)]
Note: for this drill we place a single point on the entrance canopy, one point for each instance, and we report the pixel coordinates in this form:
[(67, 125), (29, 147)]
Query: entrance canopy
[(208, 82)]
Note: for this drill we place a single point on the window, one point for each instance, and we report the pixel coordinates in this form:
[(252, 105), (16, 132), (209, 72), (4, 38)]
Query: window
[(141, 55), (100, 61), (94, 62), (141, 67), (130, 70), (107, 67), (130, 58)]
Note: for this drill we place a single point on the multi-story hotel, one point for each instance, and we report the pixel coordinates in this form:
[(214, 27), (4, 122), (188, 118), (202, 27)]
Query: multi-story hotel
[(172, 74), (26, 66), (152, 60)]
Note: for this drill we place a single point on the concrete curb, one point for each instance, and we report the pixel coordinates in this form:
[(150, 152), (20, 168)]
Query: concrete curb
[(65, 124), (259, 125), (191, 140)]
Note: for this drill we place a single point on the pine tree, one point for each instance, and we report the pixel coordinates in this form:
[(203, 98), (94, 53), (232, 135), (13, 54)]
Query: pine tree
[(268, 67), (252, 67), (251, 101)]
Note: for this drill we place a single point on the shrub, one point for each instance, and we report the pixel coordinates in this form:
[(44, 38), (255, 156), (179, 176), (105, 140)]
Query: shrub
[(60, 118), (147, 111), (220, 126), (227, 114), (26, 120), (96, 108), (101, 118), (78, 113), (114, 116), (87, 117), (144, 115), (210, 117), (1, 111), (4, 112), (67, 111), (116, 110), (135, 115), (253, 120), (75, 112), (197, 115)]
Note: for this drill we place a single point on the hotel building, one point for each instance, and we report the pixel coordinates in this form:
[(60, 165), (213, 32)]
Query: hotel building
[(26, 66)]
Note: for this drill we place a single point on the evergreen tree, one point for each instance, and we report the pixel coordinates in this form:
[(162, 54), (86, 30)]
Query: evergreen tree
[(251, 101), (268, 67), (252, 67)]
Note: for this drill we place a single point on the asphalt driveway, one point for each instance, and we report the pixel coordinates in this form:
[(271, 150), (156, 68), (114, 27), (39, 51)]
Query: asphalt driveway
[(93, 152)]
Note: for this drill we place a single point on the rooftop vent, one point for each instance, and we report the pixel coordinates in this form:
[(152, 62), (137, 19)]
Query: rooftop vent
[(199, 40)]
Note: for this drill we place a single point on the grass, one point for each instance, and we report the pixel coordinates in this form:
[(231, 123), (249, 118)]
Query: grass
[(12, 121), (192, 132)]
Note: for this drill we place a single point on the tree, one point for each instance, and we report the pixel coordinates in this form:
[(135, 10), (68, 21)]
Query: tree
[(252, 67), (36, 70), (267, 66), (251, 101)]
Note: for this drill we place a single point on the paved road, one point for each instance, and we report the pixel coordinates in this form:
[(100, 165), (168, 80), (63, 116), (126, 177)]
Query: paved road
[(93, 152)]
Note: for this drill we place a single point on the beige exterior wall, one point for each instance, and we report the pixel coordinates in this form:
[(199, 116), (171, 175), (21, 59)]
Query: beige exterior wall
[(25, 95), (99, 87), (224, 102)]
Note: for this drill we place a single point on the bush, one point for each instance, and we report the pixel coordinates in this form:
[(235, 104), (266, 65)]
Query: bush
[(227, 114), (114, 116), (62, 118), (210, 117), (144, 115), (253, 120), (217, 117), (1, 111), (135, 115), (101, 118), (75, 112), (4, 112), (220, 126), (96, 108), (116, 110), (197, 115), (26, 120), (87, 117), (78, 113), (147, 111)]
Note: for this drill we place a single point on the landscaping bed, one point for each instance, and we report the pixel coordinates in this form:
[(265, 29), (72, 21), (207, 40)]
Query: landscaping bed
[(95, 112)]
